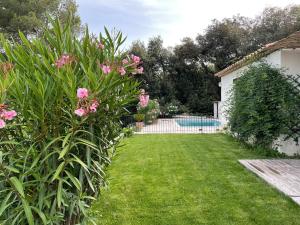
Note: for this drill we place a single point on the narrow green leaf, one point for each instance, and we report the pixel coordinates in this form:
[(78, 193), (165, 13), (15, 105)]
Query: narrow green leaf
[(12, 169), (64, 152), (17, 185), (59, 193), (5, 204), (28, 212), (58, 171), (74, 180), (41, 215)]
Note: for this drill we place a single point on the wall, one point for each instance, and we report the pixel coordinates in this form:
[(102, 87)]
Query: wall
[(291, 60)]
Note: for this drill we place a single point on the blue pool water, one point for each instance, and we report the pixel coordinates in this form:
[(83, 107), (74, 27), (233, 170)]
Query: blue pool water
[(190, 122)]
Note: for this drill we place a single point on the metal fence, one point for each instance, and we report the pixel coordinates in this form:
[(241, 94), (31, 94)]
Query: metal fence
[(176, 124)]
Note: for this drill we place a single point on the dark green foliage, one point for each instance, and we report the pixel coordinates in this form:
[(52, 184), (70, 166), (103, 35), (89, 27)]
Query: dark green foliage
[(177, 75), (228, 40), (30, 16), (185, 73), (265, 104)]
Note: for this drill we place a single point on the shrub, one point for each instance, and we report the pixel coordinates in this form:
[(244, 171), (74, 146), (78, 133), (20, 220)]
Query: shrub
[(139, 117), (265, 105), (170, 109), (151, 111), (69, 95)]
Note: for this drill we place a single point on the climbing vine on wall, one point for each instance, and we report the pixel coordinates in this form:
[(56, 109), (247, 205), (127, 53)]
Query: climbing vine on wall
[(265, 104)]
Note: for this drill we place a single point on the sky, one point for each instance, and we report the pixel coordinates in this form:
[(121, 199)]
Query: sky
[(171, 19)]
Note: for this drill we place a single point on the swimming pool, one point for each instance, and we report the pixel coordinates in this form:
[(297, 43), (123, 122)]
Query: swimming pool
[(197, 122)]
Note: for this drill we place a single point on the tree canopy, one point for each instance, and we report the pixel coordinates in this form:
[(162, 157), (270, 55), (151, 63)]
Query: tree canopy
[(184, 73), (30, 16)]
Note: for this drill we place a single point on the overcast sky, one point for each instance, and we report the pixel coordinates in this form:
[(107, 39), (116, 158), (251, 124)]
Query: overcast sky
[(172, 19)]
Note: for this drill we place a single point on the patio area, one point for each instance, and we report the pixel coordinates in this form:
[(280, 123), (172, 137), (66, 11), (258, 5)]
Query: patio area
[(282, 174)]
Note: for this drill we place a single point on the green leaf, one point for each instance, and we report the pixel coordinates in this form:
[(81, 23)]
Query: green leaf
[(74, 180), (4, 204), (59, 193), (28, 212), (41, 215), (12, 169), (58, 171), (17, 185)]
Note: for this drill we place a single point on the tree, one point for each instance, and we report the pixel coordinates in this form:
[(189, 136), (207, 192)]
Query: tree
[(225, 41), (155, 57), (67, 10), (230, 39), (30, 16), (186, 72), (195, 85), (275, 23)]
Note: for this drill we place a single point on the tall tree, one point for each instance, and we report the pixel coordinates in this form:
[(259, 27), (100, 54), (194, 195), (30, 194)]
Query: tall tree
[(155, 62), (30, 16), (228, 40), (225, 41), (275, 23), (194, 83)]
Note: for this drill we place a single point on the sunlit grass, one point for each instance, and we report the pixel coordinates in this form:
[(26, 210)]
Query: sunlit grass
[(188, 179)]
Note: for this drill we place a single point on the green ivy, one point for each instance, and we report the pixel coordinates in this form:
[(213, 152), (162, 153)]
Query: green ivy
[(264, 105)]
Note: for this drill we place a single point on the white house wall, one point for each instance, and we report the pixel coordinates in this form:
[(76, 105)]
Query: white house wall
[(291, 60)]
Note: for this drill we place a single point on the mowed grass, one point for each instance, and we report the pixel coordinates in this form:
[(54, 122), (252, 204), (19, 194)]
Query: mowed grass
[(188, 179)]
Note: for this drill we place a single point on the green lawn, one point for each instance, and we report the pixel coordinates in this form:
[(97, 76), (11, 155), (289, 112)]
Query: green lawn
[(188, 179)]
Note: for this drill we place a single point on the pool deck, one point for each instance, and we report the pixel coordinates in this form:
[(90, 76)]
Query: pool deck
[(169, 126), (282, 174)]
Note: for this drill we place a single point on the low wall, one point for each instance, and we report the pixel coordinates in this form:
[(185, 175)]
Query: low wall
[(289, 147)]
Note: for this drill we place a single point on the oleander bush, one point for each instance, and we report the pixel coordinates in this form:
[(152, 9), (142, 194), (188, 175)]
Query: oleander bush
[(61, 102), (151, 111), (265, 105)]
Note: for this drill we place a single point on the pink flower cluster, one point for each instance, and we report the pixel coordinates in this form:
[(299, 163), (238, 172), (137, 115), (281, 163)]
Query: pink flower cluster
[(85, 106), (63, 60), (105, 69), (122, 71), (101, 46), (144, 99), (6, 115), (135, 61)]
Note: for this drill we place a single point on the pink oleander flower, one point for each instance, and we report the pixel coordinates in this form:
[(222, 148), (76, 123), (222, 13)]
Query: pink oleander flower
[(8, 115), (101, 46), (2, 124), (144, 99), (122, 71), (80, 112), (94, 106), (125, 61), (63, 60), (82, 93), (140, 70), (136, 59), (105, 69), (59, 64)]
